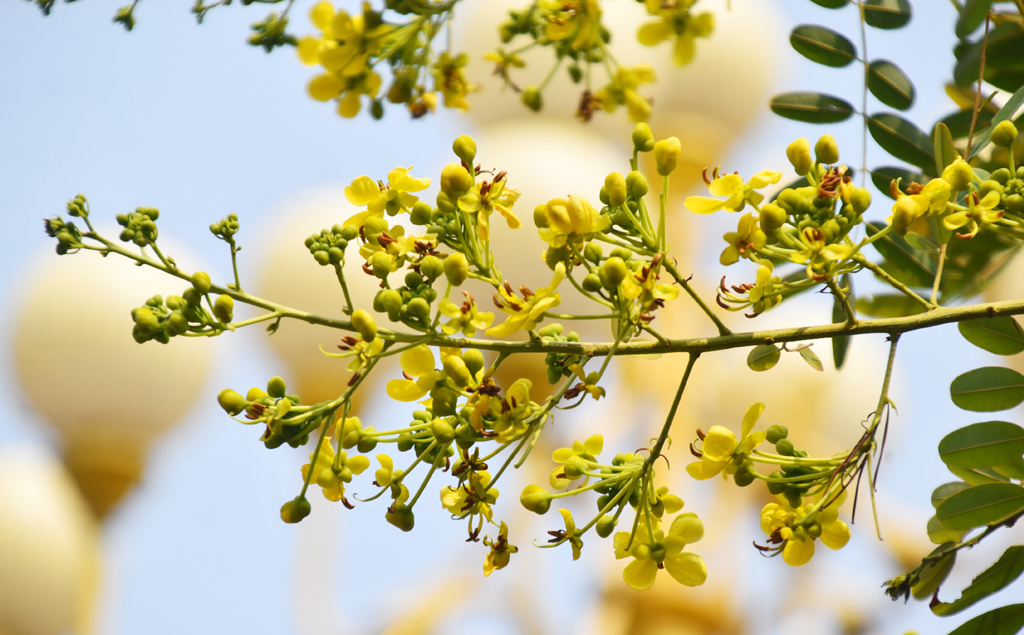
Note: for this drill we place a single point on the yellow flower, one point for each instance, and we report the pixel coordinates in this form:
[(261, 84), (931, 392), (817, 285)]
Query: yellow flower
[(359, 350), (622, 90), (573, 221), (720, 447), (573, 462), (665, 551), (332, 481), (503, 62), (794, 530), (487, 197), (576, 19), (448, 79), (376, 196), (816, 254), (763, 295), (675, 20), (470, 498), (465, 318), (524, 313), (737, 193), (500, 551), (745, 241), (510, 423), (977, 215), (418, 364), (931, 200), (570, 533)]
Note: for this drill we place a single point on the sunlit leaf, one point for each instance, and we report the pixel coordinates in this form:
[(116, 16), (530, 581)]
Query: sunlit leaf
[(981, 505), (1001, 335), (985, 444), (988, 389), (1007, 569), (945, 152), (1005, 620), (763, 357), (812, 360), (939, 535)]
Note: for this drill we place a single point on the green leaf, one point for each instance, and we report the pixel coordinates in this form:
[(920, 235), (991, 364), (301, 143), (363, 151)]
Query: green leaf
[(763, 357), (890, 85), (1013, 470), (1000, 335), (903, 262), (971, 16), (1008, 111), (986, 444), (823, 46), (922, 244), (939, 535), (831, 4), (882, 177), (988, 389), (944, 491), (841, 345), (902, 139), (1002, 51), (811, 107), (812, 360), (959, 123), (886, 14), (1005, 620), (945, 152), (978, 475), (888, 305), (986, 504), (1007, 569)]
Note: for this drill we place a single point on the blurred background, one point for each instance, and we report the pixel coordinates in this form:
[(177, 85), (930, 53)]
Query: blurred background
[(129, 503)]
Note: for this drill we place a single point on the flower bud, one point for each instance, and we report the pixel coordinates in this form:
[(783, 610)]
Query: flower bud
[(826, 150), (418, 308), (612, 273), (401, 516), (532, 98), (605, 525), (860, 198), (1004, 134), (615, 185), (592, 283), (958, 174), (643, 140), (772, 219), (442, 431), (474, 360), (456, 268), (457, 371), (666, 155), (232, 402), (776, 433), (432, 267), (904, 212), (593, 252), (364, 323), (295, 510), (637, 184), (536, 499), (380, 262), (201, 282), (785, 447), (799, 154), (465, 149), (224, 308), (276, 387), (455, 180), (421, 213)]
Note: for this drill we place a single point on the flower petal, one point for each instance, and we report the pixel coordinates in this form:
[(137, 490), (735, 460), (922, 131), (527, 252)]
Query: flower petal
[(719, 444), (835, 535), (798, 552), (640, 574), (749, 419), (417, 361), (687, 568)]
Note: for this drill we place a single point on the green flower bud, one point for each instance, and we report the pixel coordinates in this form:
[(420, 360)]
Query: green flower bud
[(593, 252), (990, 186), (456, 268), (826, 150), (380, 262), (201, 281), (1002, 175), (276, 388), (474, 360), (442, 431), (224, 308), (605, 525), (666, 155), (637, 184), (444, 401), (592, 283), (465, 149), (421, 213), (432, 267), (457, 370), (612, 273), (574, 467), (390, 300), (785, 447), (349, 232), (643, 140), (1004, 134), (532, 98), (335, 255), (777, 433), (814, 530), (191, 296), (860, 198), (1014, 204), (772, 219), (322, 257), (367, 443), (799, 155), (904, 213), (364, 323), (536, 499), (776, 488), (419, 308), (295, 510), (540, 219), (232, 402), (401, 516), (622, 252), (455, 180), (615, 185), (959, 175)]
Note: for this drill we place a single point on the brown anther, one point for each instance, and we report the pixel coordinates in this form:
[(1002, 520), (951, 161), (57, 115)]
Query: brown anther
[(474, 536), (385, 239), (575, 391), (382, 185), (354, 379), (497, 301), (706, 179), (588, 104), (367, 269), (557, 536), (508, 288), (349, 340), (525, 290), (721, 285), (485, 188), (720, 302), (694, 451), (343, 347), (344, 501), (701, 434), (407, 375), (914, 189), (500, 176)]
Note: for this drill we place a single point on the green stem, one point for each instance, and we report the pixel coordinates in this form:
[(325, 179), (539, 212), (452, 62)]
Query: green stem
[(938, 274), (685, 284), (896, 284)]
